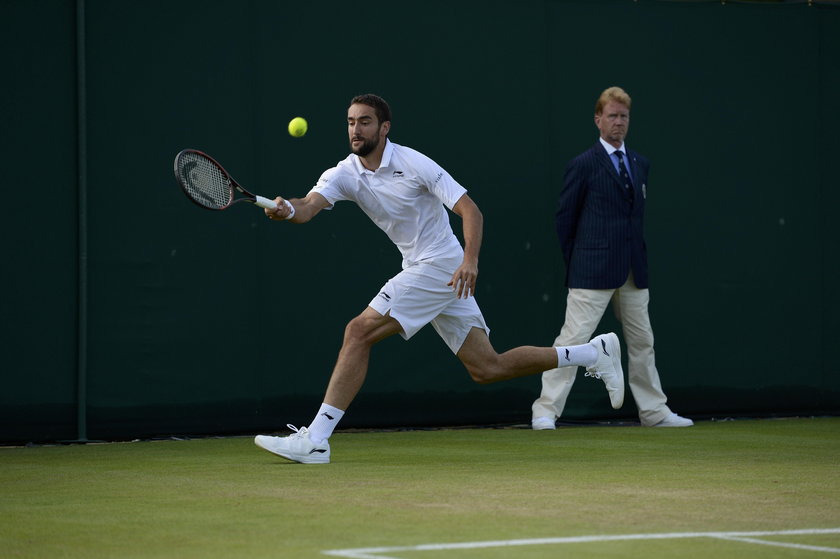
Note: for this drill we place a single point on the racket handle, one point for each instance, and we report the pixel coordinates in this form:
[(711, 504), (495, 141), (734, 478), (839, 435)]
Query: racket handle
[(266, 203)]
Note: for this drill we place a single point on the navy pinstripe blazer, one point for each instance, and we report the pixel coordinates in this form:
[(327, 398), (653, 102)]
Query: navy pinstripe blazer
[(600, 224)]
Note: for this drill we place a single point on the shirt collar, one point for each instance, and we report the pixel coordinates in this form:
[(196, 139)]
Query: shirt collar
[(386, 155), (610, 149), (386, 159)]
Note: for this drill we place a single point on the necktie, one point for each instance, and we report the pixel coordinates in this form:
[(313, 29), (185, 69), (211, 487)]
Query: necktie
[(622, 170)]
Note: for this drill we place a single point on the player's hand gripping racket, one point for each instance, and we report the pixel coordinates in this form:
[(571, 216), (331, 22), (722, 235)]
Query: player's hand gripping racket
[(207, 184)]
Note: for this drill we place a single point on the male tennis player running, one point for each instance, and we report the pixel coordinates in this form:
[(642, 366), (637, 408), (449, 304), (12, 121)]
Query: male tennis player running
[(404, 193)]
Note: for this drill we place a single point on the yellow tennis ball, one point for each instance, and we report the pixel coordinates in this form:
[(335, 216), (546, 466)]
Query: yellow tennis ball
[(298, 127)]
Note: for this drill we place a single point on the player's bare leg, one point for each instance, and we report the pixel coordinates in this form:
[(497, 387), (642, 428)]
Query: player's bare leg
[(601, 357), (350, 370), (309, 445), (486, 366)]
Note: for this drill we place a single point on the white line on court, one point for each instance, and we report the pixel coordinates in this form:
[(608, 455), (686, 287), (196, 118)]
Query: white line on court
[(783, 544), (745, 537)]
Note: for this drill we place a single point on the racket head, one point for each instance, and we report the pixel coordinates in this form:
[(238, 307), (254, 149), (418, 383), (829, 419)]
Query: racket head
[(203, 180)]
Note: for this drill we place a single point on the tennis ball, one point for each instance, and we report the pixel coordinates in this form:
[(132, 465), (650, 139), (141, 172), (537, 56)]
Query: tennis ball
[(298, 127)]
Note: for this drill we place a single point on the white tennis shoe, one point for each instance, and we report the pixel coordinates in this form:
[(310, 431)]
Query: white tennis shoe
[(608, 367), (674, 420), (297, 447), (543, 423)]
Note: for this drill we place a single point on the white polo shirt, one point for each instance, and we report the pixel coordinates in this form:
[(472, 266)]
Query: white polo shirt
[(405, 197)]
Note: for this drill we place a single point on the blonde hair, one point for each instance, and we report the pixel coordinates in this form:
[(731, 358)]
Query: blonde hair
[(612, 94)]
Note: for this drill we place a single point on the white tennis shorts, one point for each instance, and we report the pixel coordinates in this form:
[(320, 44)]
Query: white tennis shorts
[(419, 295)]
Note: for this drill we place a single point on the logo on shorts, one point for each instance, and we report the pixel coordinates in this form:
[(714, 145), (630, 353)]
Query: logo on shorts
[(385, 296)]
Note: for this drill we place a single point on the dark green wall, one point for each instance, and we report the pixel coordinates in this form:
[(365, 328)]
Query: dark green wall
[(38, 309), (203, 322)]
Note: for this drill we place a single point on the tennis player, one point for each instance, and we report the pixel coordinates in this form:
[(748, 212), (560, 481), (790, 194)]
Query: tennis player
[(407, 194)]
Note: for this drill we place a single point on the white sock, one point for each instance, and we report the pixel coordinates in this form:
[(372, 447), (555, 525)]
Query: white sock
[(324, 423), (584, 355)]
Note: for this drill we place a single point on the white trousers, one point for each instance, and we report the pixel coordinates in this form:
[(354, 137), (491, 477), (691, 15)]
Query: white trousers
[(584, 309)]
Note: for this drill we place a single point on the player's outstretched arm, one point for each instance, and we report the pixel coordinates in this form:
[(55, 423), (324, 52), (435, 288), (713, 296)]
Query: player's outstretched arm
[(297, 210)]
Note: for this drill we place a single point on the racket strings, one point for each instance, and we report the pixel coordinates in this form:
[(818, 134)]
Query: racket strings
[(204, 182)]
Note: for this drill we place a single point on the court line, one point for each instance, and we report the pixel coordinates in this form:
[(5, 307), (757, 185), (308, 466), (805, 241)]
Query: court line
[(746, 537), (783, 544)]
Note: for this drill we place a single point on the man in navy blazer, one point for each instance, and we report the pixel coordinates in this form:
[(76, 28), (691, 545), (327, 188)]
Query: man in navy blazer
[(600, 222)]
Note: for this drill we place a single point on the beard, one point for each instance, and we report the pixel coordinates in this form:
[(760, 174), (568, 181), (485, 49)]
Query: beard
[(366, 147)]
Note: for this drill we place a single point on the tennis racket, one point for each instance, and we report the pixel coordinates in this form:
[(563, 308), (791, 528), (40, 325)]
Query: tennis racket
[(206, 183)]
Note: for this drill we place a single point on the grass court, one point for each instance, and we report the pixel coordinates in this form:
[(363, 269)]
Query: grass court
[(764, 489)]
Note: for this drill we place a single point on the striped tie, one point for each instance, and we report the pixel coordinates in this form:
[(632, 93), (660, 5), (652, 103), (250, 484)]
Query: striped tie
[(622, 170)]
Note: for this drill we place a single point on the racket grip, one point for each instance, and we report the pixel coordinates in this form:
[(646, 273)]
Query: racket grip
[(266, 203)]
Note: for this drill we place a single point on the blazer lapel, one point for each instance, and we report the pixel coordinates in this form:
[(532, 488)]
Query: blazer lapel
[(634, 165), (638, 182)]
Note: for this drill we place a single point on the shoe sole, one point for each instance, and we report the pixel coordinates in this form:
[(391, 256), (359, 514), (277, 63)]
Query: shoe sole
[(615, 356), (688, 423), (281, 455)]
